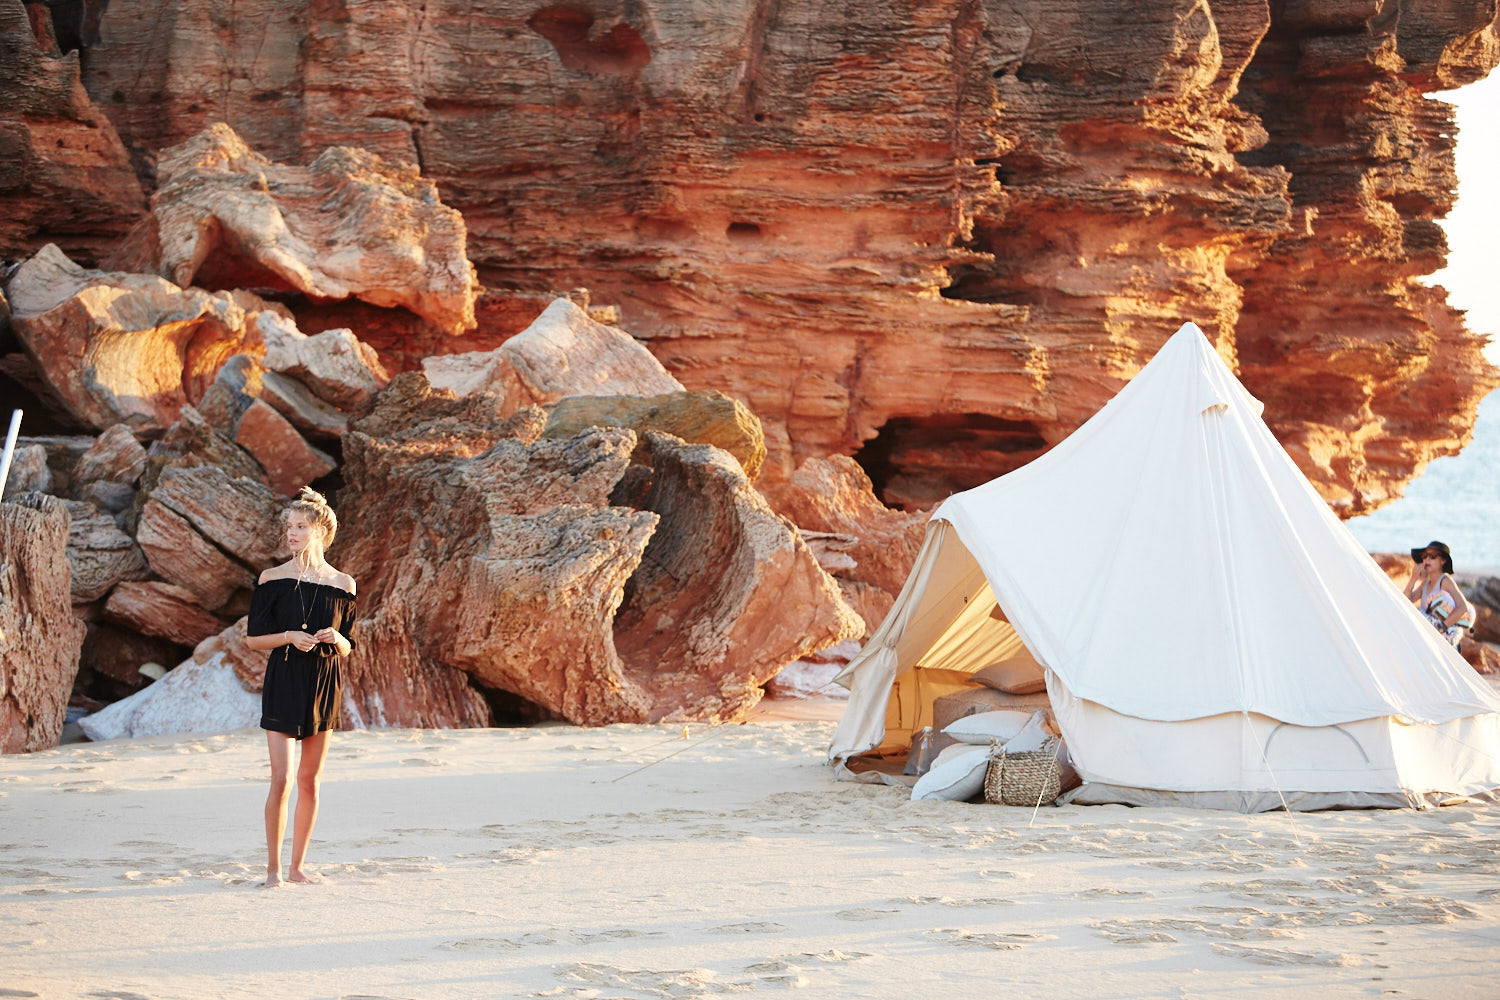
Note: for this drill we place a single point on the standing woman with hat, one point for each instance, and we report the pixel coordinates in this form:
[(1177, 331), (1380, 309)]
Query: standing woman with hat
[(1431, 588), (303, 612)]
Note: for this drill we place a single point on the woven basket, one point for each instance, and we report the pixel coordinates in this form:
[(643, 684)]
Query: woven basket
[(1023, 779)]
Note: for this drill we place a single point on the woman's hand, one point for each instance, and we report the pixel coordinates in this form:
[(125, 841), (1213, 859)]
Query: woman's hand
[(333, 635), (302, 640)]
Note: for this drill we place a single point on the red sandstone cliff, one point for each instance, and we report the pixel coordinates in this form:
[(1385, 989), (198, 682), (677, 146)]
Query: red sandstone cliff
[(936, 234)]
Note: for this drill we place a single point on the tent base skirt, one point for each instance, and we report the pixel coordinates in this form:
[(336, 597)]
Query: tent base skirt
[(1097, 794)]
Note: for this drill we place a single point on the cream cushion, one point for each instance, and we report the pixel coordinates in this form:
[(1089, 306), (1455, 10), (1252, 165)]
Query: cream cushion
[(956, 775), (980, 729)]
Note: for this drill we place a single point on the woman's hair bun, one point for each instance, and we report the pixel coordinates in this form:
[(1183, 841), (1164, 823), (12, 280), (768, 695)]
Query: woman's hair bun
[(309, 495)]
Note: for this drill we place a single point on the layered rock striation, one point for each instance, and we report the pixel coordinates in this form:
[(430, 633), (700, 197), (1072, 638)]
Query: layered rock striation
[(935, 235)]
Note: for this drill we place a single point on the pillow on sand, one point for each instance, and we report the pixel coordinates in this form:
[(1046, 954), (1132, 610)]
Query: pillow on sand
[(956, 775), (1032, 735), (986, 726), (1012, 677)]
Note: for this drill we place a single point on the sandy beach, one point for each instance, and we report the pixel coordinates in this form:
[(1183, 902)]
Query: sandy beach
[(545, 862)]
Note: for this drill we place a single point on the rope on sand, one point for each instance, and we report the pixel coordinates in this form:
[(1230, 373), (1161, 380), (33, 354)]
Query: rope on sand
[(712, 732)]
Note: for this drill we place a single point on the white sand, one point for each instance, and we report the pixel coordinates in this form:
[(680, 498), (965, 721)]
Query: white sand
[(517, 863)]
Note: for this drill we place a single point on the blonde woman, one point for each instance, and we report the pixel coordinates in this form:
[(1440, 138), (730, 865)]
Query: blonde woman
[(303, 612)]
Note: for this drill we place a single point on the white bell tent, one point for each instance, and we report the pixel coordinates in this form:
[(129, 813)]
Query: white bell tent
[(1210, 633)]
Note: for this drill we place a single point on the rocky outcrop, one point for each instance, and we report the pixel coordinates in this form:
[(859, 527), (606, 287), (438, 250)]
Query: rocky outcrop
[(563, 352), (101, 555), (210, 533), (727, 593), (65, 177), (121, 348), (507, 566), (707, 417), (507, 558), (834, 495), (203, 694), (39, 651), (1366, 372), (938, 235), (156, 608), (116, 457), (28, 471), (347, 225)]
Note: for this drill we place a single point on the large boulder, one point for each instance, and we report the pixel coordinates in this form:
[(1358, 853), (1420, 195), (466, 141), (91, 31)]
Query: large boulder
[(100, 553), (727, 592), (122, 348), (28, 471), (116, 457), (835, 495), (704, 417), (507, 565), (335, 365), (210, 533), (349, 224), (564, 352), (203, 694), (154, 607), (41, 637)]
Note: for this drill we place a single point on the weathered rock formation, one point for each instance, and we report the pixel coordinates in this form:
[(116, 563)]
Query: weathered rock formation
[(203, 694), (705, 417), (834, 495), (941, 233), (564, 352), (122, 348), (64, 175), (39, 637), (347, 225), (507, 560)]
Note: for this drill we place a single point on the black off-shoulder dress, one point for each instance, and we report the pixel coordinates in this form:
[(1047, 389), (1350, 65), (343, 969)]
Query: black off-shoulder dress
[(303, 692)]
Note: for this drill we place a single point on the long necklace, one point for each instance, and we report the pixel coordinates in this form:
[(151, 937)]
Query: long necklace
[(306, 610)]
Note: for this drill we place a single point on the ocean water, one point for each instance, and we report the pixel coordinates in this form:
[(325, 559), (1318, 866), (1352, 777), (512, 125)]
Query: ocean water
[(1456, 500)]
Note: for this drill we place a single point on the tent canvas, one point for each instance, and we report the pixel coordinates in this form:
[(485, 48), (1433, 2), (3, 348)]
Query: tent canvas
[(1209, 631)]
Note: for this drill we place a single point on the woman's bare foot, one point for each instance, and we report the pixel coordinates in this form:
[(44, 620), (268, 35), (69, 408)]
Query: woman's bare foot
[(298, 875), (273, 880)]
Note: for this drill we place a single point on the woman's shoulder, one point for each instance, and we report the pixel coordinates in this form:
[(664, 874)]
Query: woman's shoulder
[(342, 581), (282, 572)]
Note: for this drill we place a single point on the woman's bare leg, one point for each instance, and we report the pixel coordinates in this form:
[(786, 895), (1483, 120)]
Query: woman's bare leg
[(280, 746), (309, 776)]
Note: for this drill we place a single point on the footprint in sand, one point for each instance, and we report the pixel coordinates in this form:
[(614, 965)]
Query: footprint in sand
[(994, 942), (17, 993), (865, 913), (117, 995), (1267, 956), (424, 762), (751, 927), (1113, 894)]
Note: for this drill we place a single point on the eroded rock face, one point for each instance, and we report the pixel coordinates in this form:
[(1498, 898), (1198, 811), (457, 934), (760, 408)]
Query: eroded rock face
[(507, 565), (347, 225), (122, 348), (727, 593), (100, 553), (65, 176), (943, 232), (39, 654), (835, 495), (153, 607), (563, 352), (707, 417)]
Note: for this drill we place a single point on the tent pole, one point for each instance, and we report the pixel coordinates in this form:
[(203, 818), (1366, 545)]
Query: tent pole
[(10, 448)]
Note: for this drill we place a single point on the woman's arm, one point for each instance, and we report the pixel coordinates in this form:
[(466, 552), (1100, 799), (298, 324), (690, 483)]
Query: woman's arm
[(1461, 607), (301, 640)]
